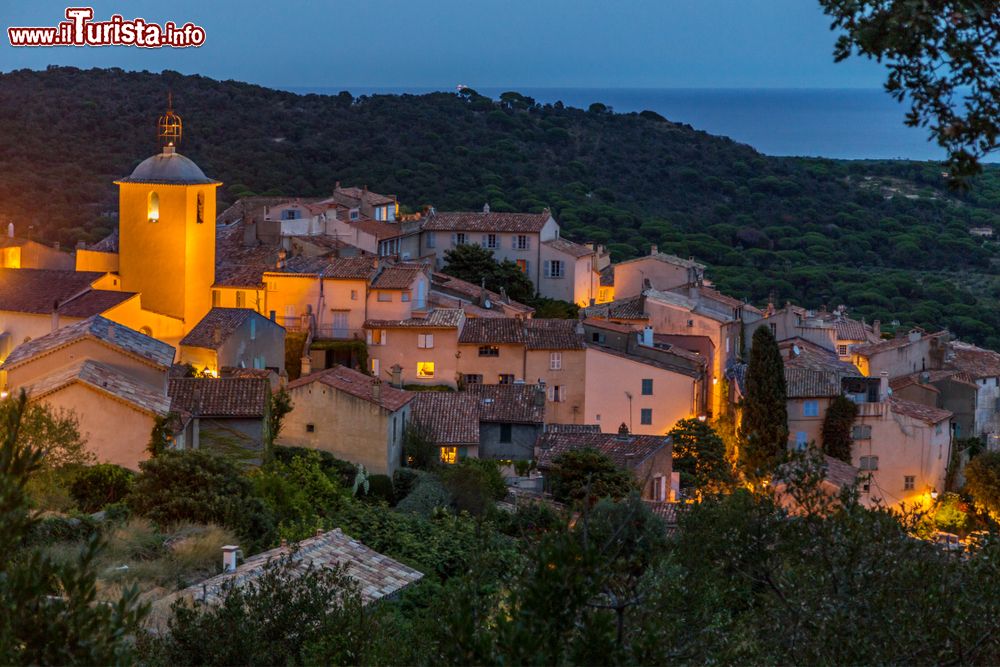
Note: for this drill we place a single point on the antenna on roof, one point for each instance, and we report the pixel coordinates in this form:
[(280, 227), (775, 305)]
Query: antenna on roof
[(169, 127)]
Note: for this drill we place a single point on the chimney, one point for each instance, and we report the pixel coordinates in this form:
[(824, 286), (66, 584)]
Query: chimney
[(306, 366), (647, 336), (623, 431), (913, 336), (229, 555), (539, 394), (55, 314), (652, 249), (282, 255), (397, 375), (377, 391), (883, 386), (486, 207), (877, 328)]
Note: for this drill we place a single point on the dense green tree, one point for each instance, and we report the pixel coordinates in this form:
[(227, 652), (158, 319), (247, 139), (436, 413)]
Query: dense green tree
[(837, 423), (50, 610), (202, 487), (100, 485), (942, 58), (587, 474), (477, 265), (474, 484), (281, 405), (700, 458), (982, 481), (420, 449), (764, 429)]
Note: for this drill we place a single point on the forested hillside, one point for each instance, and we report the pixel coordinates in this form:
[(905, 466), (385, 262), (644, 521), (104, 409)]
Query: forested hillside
[(887, 239)]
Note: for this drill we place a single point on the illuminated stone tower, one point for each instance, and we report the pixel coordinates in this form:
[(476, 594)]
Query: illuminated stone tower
[(166, 230)]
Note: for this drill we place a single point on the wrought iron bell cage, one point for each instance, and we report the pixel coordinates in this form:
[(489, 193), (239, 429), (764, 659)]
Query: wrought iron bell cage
[(170, 128)]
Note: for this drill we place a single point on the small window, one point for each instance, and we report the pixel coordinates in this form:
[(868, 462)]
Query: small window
[(909, 482), (491, 240), (241, 299), (460, 238), (861, 432), (376, 337), (555, 361), (405, 297), (354, 214), (774, 329), (425, 369), (354, 295), (647, 386), (597, 337), (505, 433), (384, 296), (801, 440), (200, 215), (868, 463), (216, 298), (554, 269), (373, 364), (842, 350), (489, 351), (310, 428), (690, 324), (473, 378), (521, 242), (506, 378), (153, 207), (646, 416), (431, 241), (449, 455), (425, 341), (557, 394), (810, 409)]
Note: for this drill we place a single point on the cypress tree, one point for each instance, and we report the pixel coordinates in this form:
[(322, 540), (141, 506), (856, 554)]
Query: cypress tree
[(765, 413), (837, 424)]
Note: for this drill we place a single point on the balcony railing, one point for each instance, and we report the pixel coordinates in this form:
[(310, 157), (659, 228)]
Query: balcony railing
[(330, 332)]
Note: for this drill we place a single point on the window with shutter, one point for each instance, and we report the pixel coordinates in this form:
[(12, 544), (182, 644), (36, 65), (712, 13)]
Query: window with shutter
[(547, 269)]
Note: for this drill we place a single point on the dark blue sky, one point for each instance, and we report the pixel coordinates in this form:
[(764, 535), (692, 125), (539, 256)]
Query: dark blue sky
[(548, 43)]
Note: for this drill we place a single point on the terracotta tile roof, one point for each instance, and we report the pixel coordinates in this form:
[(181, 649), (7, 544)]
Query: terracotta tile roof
[(220, 397), (924, 413), (382, 230), (100, 329), (666, 259), (396, 277), (678, 367), (464, 289), (624, 451), (350, 268), (105, 379), (439, 318), (553, 334), (216, 327), (905, 381), (377, 575), (608, 325), (713, 294), (507, 403), (664, 510), (357, 384), (473, 221), (352, 197), (572, 428), (497, 331), (108, 244), (620, 309), (251, 207), (93, 302), (891, 344), (802, 354), (576, 250), (661, 342), (848, 329), (975, 361), (452, 417), (37, 290), (840, 473), (807, 383)]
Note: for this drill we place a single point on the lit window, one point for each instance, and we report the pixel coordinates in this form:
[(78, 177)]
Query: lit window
[(146, 331), (506, 378), (425, 341), (384, 296), (449, 455), (810, 409), (425, 369), (153, 207), (909, 481), (374, 366), (647, 386), (489, 351), (842, 350), (555, 361), (377, 336), (646, 416)]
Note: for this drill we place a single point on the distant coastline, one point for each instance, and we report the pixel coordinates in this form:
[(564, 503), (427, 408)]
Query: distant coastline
[(847, 124)]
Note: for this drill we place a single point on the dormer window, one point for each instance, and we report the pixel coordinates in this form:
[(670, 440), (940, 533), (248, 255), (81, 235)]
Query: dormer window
[(291, 214), (355, 214), (153, 207)]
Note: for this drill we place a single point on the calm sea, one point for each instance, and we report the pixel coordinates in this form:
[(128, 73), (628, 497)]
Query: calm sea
[(842, 123)]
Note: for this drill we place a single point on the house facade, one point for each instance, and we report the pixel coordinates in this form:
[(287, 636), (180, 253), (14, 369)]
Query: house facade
[(234, 338)]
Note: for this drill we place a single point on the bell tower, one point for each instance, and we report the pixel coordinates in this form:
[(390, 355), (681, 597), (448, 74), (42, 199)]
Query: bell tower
[(166, 213)]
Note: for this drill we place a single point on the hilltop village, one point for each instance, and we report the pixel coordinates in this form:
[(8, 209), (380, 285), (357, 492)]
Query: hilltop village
[(188, 320)]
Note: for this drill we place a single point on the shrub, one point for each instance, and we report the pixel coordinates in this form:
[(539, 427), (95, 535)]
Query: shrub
[(579, 474), (474, 485), (427, 496), (419, 448), (200, 487), (380, 488), (982, 480), (343, 470), (97, 486), (403, 480)]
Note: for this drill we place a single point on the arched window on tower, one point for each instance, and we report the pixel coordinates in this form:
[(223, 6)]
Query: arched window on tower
[(201, 208), (153, 207)]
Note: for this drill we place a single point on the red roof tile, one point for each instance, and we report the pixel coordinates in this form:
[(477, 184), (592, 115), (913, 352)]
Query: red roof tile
[(570, 248), (451, 417), (486, 222), (38, 290), (553, 334), (359, 385), (624, 451), (236, 397), (924, 413), (396, 277), (976, 361), (218, 325), (439, 318), (496, 331), (508, 403), (105, 379)]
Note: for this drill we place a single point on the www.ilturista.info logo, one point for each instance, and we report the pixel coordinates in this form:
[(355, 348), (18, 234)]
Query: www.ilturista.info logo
[(81, 30)]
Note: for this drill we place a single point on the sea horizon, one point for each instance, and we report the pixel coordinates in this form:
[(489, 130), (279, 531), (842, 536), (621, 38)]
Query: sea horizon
[(836, 123)]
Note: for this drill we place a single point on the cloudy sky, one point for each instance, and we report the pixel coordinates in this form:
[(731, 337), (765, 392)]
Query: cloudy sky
[(540, 43)]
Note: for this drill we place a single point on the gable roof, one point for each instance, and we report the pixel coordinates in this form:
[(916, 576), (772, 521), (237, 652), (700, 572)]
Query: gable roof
[(570, 248), (463, 289), (225, 321), (553, 334), (439, 318), (919, 411), (666, 259), (473, 221), (376, 574), (359, 385), (397, 277), (493, 330), (630, 308), (220, 397), (38, 291), (975, 361), (508, 403), (452, 417), (105, 379), (893, 343), (662, 363), (624, 451), (100, 329)]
